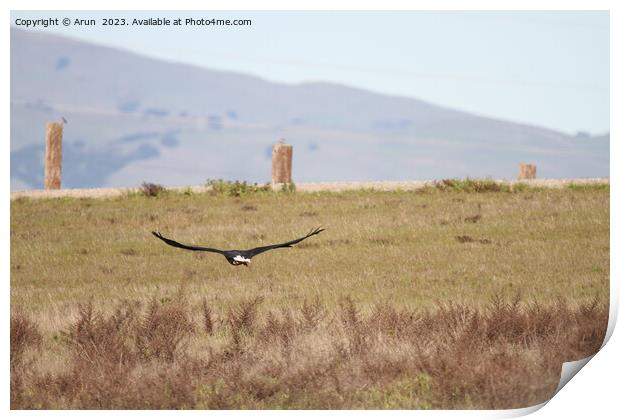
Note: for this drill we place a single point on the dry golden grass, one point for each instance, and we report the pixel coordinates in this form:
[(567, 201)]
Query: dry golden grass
[(393, 306), (506, 356)]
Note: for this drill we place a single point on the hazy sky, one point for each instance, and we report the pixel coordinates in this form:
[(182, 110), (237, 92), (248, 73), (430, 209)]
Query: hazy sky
[(544, 68)]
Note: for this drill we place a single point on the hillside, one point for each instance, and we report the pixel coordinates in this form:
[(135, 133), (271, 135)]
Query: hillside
[(133, 118)]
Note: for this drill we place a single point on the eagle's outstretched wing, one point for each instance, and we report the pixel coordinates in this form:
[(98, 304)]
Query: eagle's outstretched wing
[(179, 245), (255, 251)]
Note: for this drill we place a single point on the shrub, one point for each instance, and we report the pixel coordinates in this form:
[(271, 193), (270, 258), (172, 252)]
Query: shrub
[(99, 343), (149, 189), (603, 186), (24, 335), (235, 188), (163, 329), (470, 185), (288, 188)]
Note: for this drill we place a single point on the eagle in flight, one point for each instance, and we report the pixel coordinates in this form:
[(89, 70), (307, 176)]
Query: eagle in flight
[(235, 257)]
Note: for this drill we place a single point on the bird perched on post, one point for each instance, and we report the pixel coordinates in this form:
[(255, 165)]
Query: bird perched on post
[(236, 257)]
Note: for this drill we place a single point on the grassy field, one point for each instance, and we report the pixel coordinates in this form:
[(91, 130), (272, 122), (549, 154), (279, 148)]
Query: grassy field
[(440, 298)]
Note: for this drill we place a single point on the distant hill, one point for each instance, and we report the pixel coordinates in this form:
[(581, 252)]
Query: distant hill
[(133, 119)]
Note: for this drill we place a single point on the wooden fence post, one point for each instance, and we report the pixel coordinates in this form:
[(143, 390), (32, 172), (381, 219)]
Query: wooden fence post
[(281, 164), (527, 171), (53, 156)]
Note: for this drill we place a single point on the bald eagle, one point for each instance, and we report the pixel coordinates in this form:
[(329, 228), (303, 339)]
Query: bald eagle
[(236, 257)]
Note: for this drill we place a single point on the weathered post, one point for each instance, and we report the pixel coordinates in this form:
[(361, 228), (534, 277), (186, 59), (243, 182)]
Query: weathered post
[(281, 164), (53, 156), (527, 171)]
